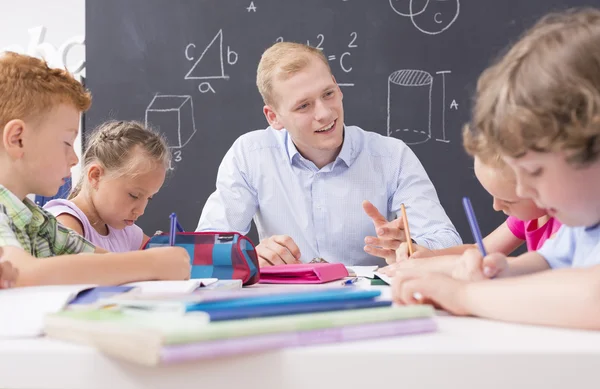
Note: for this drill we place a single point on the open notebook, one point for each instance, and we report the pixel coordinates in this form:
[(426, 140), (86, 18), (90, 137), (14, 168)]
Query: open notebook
[(187, 286), (23, 309)]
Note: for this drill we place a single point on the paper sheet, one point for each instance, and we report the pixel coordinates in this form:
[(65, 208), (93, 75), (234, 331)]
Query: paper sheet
[(168, 287), (386, 279), (22, 310), (363, 271)]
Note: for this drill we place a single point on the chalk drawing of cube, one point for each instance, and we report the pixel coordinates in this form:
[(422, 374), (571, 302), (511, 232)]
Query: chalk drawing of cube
[(409, 105), (173, 116)]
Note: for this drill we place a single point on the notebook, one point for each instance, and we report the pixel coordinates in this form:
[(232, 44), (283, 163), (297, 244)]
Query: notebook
[(253, 344), (22, 310), (306, 273), (233, 301), (384, 278), (138, 339), (362, 271), (26, 307), (91, 296), (186, 286), (293, 309)]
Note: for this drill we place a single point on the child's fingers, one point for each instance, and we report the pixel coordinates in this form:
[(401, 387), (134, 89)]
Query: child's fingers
[(411, 292), (419, 254), (493, 264), (8, 275), (400, 278), (470, 267), (389, 270), (402, 252)]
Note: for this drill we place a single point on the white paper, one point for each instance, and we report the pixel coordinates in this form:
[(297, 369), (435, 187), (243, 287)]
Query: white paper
[(363, 271), (168, 287), (386, 279), (22, 310)]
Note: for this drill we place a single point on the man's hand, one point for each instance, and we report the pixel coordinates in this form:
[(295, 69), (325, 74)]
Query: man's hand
[(389, 234), (278, 250)]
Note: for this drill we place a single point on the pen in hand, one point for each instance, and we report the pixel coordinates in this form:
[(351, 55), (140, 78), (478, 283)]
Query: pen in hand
[(474, 225), (406, 230)]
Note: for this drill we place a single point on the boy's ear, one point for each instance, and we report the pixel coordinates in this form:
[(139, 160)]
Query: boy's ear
[(94, 174), (272, 117), (12, 138)]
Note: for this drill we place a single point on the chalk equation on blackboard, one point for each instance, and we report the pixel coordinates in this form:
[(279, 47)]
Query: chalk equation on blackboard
[(428, 16), (173, 116), (410, 106), (343, 59), (210, 65)]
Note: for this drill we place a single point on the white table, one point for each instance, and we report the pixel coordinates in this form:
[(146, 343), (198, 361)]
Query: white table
[(464, 353)]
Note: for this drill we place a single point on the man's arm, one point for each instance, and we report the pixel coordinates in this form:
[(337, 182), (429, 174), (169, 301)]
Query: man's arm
[(429, 225), (234, 203)]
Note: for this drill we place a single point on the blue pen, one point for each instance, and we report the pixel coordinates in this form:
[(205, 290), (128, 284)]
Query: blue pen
[(474, 226), (351, 281), (173, 229)]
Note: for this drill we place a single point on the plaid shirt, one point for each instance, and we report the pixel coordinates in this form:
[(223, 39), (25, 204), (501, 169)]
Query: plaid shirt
[(23, 224)]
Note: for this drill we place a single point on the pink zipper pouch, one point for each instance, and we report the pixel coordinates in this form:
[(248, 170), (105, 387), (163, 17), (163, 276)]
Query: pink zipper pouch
[(306, 273)]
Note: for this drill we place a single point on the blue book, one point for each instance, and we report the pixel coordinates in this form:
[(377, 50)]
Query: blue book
[(292, 309), (90, 296), (233, 300), (321, 296)]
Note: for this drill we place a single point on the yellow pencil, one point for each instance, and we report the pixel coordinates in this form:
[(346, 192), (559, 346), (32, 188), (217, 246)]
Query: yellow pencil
[(406, 230)]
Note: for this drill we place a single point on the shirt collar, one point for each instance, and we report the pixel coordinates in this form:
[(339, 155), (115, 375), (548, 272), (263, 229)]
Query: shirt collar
[(23, 213), (347, 154), (591, 228)]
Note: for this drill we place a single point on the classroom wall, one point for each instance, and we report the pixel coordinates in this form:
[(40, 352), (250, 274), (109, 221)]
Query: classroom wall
[(53, 30)]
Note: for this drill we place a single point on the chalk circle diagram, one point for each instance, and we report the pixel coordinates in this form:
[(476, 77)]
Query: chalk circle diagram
[(428, 16)]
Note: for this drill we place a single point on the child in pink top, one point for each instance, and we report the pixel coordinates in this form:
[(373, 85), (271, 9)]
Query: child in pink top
[(526, 223), (530, 231)]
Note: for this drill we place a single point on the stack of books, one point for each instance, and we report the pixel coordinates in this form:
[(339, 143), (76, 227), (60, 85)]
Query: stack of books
[(164, 329)]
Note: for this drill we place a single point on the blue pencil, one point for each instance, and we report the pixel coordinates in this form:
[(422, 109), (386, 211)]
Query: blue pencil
[(474, 225)]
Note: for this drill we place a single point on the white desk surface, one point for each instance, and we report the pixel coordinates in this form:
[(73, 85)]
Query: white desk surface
[(464, 353)]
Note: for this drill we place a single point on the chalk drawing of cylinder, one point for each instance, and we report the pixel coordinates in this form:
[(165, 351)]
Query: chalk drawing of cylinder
[(409, 106)]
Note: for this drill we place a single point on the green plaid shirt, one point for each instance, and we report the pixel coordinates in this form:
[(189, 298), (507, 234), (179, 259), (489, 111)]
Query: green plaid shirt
[(24, 224)]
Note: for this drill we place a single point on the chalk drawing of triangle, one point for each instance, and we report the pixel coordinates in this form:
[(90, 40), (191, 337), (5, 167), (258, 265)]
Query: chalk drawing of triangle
[(210, 63)]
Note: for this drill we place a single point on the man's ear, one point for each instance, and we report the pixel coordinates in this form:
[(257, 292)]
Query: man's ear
[(94, 174), (12, 138), (336, 84), (272, 117)]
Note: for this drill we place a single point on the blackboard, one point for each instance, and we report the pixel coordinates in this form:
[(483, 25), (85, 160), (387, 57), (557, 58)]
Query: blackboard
[(408, 69)]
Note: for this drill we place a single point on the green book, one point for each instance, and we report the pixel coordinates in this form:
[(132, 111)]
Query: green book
[(116, 326)]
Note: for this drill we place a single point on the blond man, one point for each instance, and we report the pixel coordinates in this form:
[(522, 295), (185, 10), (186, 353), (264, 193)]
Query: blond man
[(306, 178)]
